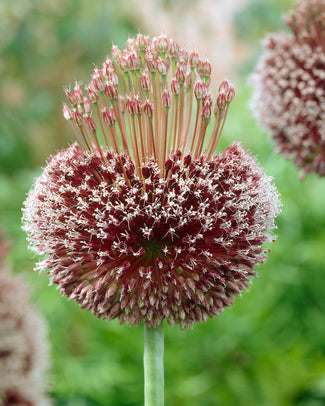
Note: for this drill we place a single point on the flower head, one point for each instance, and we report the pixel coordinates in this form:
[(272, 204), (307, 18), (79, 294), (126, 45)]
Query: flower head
[(23, 349), (153, 225), (290, 87)]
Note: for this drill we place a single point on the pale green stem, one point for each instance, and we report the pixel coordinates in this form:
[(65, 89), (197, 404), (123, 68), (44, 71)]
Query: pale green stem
[(153, 360)]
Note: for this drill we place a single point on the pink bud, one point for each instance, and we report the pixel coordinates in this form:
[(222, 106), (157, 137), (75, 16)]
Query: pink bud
[(173, 48), (175, 87), (110, 91), (123, 63), (200, 90), (92, 96), (206, 111), (78, 92), (221, 101), (71, 97), (161, 67), (194, 59), (130, 106), (91, 124), (152, 64), (130, 44), (112, 76), (145, 82), (161, 44), (87, 105), (141, 42), (224, 85), (166, 100), (137, 105), (98, 84), (77, 118), (67, 114), (183, 55), (180, 74), (230, 94), (206, 68), (148, 108), (108, 117), (116, 52)]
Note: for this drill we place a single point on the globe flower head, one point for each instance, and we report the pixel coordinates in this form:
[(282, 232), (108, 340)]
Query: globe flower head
[(289, 86), (152, 225), (23, 349)]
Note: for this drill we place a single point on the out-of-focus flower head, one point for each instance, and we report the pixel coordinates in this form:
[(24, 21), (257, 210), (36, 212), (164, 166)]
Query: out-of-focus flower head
[(23, 349), (289, 84), (152, 225)]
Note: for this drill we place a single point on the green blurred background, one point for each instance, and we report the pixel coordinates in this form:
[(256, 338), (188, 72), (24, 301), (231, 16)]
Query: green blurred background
[(269, 348)]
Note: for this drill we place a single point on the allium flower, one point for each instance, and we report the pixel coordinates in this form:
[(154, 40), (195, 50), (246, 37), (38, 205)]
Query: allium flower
[(152, 225), (23, 352), (290, 87)]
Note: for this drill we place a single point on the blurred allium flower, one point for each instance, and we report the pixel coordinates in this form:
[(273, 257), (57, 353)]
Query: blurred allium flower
[(23, 351), (289, 84), (152, 225)]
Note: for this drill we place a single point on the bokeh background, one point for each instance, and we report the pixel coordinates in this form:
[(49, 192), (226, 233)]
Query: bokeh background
[(269, 348)]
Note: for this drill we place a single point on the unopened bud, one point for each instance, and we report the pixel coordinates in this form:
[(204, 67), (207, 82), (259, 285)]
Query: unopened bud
[(110, 91), (206, 111), (92, 96), (77, 118), (137, 105), (71, 97), (108, 117), (161, 67), (180, 74), (123, 63), (112, 76), (145, 82), (166, 100), (173, 48), (130, 106), (116, 52), (148, 108), (221, 101), (183, 55), (161, 44), (194, 59), (200, 90), (230, 94), (98, 84), (87, 105), (91, 124), (130, 44), (224, 86), (67, 114), (175, 87), (152, 65), (141, 42)]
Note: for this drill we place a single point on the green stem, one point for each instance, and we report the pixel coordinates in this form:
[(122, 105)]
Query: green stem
[(153, 360)]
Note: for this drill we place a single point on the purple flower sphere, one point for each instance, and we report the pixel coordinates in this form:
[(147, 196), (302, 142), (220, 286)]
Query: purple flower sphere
[(289, 83), (23, 348), (153, 225)]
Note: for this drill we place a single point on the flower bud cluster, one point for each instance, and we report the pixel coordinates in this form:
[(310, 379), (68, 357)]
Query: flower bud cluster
[(23, 352), (289, 96)]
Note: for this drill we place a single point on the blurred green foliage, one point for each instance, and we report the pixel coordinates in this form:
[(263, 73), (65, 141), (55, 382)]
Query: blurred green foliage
[(267, 350)]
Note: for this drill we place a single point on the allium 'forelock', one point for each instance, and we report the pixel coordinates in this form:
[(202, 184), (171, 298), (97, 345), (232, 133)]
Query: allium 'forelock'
[(289, 82), (152, 225), (23, 349)]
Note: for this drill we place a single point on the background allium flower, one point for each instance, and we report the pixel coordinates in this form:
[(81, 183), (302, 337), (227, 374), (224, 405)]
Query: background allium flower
[(23, 350), (290, 87), (153, 225)]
